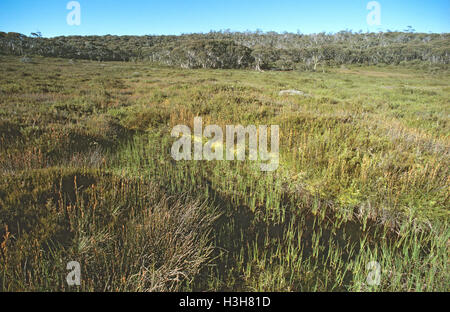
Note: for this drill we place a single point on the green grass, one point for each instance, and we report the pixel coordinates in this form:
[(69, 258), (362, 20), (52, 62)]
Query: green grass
[(87, 176)]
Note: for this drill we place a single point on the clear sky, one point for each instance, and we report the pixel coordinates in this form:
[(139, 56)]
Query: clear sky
[(141, 17)]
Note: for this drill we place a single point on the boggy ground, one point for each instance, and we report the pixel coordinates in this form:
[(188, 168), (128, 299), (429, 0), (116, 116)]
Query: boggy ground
[(87, 176)]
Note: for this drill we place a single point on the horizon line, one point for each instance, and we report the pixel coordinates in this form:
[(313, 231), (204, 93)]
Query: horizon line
[(229, 31)]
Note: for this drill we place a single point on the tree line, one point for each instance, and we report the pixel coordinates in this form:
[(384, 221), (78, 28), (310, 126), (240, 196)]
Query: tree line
[(257, 50)]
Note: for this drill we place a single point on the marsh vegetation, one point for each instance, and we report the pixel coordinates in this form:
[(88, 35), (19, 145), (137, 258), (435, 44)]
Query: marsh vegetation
[(87, 175)]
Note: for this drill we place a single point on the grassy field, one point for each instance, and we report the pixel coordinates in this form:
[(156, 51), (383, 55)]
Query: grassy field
[(87, 176)]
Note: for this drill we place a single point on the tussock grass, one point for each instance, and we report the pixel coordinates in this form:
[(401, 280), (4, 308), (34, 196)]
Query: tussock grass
[(127, 234)]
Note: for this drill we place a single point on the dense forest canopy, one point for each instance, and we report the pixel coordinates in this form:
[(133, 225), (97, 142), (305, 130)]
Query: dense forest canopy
[(256, 50)]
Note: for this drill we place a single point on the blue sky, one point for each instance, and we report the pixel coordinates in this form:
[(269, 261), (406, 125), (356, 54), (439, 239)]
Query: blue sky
[(141, 17)]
